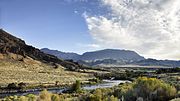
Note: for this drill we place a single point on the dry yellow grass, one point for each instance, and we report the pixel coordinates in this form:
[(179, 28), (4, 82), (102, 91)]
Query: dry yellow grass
[(34, 72)]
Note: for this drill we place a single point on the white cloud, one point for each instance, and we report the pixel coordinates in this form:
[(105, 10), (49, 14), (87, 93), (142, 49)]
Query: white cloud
[(89, 46), (150, 27), (94, 46)]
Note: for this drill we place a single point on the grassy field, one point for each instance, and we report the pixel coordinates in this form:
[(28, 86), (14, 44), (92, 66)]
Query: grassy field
[(34, 72)]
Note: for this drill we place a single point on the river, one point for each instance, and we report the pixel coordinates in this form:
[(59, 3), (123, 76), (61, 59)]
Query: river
[(105, 84)]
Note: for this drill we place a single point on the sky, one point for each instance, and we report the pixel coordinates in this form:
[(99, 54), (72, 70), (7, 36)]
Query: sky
[(149, 27)]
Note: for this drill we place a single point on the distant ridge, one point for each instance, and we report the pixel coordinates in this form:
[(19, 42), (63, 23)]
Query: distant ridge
[(116, 54), (62, 55), (112, 57), (154, 62)]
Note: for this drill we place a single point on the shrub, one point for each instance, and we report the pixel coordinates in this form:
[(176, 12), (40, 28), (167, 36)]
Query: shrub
[(112, 98), (93, 97), (102, 94), (23, 98), (31, 97), (149, 89), (22, 85), (55, 97), (12, 86), (44, 96), (11, 98)]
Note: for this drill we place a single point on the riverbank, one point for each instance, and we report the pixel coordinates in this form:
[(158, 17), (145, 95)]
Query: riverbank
[(126, 92), (61, 89)]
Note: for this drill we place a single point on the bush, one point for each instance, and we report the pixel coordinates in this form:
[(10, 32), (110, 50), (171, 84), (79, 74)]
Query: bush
[(23, 98), (93, 97), (22, 85), (55, 97), (12, 86), (123, 90), (11, 98), (150, 89), (44, 96), (31, 97), (112, 98), (98, 94), (16, 86)]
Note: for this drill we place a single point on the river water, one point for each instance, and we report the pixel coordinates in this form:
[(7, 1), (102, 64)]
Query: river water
[(105, 84)]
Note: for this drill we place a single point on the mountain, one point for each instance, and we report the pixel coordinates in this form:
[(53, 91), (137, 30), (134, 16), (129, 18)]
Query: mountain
[(112, 57), (120, 63), (115, 54), (154, 62), (62, 55), (104, 62), (15, 48), (101, 57)]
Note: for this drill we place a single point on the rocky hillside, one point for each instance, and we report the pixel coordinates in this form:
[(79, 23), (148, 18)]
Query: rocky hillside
[(20, 62), (10, 44)]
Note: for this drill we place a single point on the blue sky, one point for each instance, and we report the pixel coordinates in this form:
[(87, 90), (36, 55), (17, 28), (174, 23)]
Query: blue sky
[(55, 24), (149, 27)]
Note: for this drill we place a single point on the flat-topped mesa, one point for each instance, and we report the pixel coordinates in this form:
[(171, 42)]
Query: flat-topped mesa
[(12, 44)]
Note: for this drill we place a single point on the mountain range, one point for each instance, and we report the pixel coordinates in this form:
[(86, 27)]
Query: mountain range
[(61, 55), (111, 57), (12, 47), (115, 54)]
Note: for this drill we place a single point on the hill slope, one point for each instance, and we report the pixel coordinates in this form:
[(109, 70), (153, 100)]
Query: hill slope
[(11, 44), (23, 63)]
